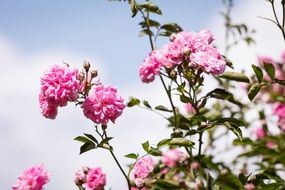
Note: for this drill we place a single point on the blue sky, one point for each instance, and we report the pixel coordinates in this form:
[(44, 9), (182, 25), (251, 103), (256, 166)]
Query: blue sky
[(37, 34)]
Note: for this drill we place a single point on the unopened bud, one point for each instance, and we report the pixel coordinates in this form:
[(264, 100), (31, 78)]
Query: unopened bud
[(172, 37), (249, 186), (94, 73), (199, 184), (85, 169), (86, 66), (81, 76), (195, 166), (173, 74), (224, 172)]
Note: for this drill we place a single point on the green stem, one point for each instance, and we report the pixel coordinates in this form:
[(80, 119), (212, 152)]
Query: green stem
[(117, 162), (200, 145), (168, 92), (146, 18), (277, 20)]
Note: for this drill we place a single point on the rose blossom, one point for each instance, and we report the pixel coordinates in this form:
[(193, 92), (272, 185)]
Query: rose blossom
[(48, 111), (279, 110), (270, 144), (150, 67), (95, 180), (249, 186), (80, 177), (142, 168), (172, 157), (33, 178), (210, 61), (103, 104), (58, 86), (260, 133)]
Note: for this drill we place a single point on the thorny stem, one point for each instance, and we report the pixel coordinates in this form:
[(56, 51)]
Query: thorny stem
[(116, 160)]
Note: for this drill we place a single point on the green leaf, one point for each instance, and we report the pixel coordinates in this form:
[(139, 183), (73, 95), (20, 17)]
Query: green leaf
[(229, 182), (151, 23), (171, 27), (253, 91), (134, 7), (133, 102), (206, 127), (223, 95), (229, 63), (235, 129), (154, 151), (231, 120), (91, 137), (167, 184), (87, 146), (145, 32), (146, 104), (181, 142), (132, 156), (163, 142), (82, 139), (258, 72), (242, 178), (240, 77), (145, 146), (151, 7), (270, 70), (162, 108)]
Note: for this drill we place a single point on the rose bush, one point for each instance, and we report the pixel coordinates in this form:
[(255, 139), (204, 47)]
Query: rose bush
[(187, 159)]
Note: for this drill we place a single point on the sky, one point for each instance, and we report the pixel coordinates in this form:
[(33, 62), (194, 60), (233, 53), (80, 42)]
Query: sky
[(34, 35)]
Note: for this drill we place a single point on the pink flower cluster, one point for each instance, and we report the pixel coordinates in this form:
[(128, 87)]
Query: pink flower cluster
[(62, 84), (260, 133), (90, 179), (103, 104), (58, 86), (141, 170), (33, 178), (279, 110), (194, 48), (172, 157)]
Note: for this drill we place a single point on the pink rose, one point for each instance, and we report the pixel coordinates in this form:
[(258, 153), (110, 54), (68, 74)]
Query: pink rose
[(270, 144), (150, 67), (210, 61), (33, 178), (141, 170), (172, 157), (260, 133), (189, 108), (58, 86), (279, 110), (249, 186), (95, 180), (103, 104)]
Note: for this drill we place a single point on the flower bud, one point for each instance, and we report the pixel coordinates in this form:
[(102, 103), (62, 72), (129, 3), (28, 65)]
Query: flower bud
[(249, 186), (94, 73), (86, 66), (195, 166), (172, 37), (224, 172)]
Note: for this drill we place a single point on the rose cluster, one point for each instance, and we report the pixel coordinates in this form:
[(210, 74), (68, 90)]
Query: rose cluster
[(61, 84), (33, 178), (90, 178), (146, 169), (191, 48)]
